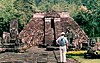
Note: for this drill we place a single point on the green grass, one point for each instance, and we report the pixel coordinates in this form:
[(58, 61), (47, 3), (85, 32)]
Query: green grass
[(81, 59), (79, 55)]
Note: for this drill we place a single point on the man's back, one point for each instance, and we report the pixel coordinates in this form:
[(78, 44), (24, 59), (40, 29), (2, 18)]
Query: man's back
[(62, 40)]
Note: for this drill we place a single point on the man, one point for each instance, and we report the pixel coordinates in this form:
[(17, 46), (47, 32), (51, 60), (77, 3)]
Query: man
[(62, 41)]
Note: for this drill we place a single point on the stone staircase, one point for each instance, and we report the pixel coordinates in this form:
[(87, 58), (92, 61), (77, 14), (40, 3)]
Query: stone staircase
[(13, 46)]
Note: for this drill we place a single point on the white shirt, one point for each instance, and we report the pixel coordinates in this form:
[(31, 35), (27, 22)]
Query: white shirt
[(62, 37)]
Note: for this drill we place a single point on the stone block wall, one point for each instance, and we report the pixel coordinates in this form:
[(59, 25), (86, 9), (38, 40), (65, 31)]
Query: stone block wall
[(33, 32), (38, 29)]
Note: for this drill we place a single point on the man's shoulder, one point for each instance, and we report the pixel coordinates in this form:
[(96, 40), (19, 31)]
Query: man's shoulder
[(65, 37)]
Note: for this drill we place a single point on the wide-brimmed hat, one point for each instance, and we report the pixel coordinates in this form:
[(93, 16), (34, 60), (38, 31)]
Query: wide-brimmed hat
[(63, 33)]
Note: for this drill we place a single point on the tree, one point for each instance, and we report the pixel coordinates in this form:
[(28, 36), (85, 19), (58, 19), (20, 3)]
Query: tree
[(85, 12), (7, 12), (88, 18), (25, 10)]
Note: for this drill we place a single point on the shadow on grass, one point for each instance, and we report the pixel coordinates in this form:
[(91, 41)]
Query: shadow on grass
[(82, 56), (70, 55)]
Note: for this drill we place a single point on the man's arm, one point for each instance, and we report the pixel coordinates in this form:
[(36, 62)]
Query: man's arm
[(57, 41)]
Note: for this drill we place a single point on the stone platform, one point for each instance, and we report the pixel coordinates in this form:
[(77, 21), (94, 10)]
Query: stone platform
[(33, 55)]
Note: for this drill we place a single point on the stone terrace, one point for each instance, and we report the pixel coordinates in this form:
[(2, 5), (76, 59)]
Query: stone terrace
[(33, 55)]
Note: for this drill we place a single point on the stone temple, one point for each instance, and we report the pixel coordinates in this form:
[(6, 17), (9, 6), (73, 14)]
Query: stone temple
[(45, 28)]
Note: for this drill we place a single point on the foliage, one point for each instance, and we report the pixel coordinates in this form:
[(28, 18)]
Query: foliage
[(7, 11), (88, 18), (85, 12), (79, 55), (25, 9), (78, 52)]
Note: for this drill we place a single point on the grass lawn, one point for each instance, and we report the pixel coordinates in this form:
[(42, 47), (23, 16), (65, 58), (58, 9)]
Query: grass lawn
[(79, 55)]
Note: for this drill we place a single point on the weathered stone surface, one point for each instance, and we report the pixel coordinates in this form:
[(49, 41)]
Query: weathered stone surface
[(10, 41), (97, 46), (34, 55), (14, 29), (18, 61), (42, 45), (51, 48), (6, 37), (68, 24), (33, 32), (46, 27), (6, 62), (41, 59)]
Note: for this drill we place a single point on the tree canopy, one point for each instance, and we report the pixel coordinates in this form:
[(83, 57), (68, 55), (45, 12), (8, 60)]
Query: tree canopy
[(85, 12)]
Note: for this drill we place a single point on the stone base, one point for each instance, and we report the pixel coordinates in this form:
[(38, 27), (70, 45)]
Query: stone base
[(42, 45), (12, 50), (51, 48)]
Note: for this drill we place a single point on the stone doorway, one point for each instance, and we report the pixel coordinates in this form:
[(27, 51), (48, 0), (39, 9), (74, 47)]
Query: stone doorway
[(49, 31)]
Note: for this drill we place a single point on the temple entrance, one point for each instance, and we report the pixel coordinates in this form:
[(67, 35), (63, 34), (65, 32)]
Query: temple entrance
[(49, 31), (44, 26)]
